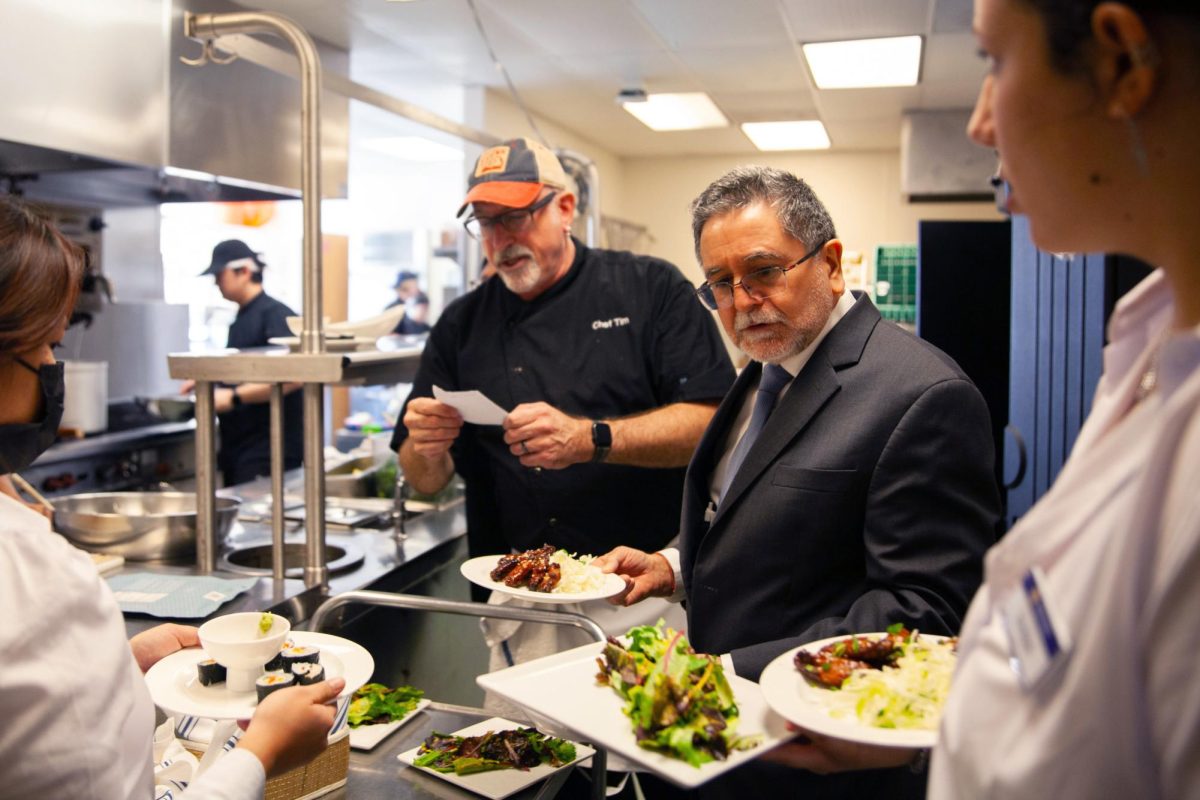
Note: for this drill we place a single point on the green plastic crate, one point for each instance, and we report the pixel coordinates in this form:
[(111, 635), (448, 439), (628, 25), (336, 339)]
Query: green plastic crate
[(896, 270)]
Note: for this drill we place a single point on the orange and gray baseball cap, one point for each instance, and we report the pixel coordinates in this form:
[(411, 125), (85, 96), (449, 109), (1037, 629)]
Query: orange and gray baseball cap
[(513, 174)]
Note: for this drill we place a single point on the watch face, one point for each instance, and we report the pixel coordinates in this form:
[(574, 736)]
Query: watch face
[(601, 434)]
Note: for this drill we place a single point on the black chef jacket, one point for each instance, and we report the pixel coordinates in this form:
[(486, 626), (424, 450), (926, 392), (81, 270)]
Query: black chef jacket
[(617, 335), (246, 429)]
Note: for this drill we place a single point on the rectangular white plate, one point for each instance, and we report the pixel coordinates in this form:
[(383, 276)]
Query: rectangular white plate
[(562, 688), (365, 737), (502, 782)]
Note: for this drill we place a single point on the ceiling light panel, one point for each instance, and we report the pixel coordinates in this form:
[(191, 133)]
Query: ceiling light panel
[(865, 63), (677, 112), (808, 134)]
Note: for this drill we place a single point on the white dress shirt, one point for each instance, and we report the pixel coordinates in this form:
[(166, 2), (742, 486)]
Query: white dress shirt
[(76, 719), (1118, 538)]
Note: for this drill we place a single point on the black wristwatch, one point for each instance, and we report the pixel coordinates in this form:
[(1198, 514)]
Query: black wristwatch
[(236, 399), (602, 439)]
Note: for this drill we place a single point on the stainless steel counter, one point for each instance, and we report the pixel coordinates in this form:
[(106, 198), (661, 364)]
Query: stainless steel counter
[(394, 564)]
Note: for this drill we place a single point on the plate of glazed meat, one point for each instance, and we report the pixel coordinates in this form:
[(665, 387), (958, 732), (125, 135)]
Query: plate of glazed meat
[(543, 575)]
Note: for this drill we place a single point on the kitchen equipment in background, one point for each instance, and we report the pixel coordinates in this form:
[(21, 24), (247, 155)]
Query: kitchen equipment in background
[(141, 526), (177, 408), (86, 402), (371, 327)]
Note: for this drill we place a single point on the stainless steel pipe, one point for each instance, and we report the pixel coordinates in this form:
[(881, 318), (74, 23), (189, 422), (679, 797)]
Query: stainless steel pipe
[(416, 602), (277, 561), (312, 335), (206, 479)]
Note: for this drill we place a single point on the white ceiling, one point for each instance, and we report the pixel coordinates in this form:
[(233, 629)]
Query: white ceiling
[(569, 58)]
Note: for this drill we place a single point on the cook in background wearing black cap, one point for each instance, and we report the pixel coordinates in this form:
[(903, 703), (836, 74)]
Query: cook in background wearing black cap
[(243, 408), (610, 368), (416, 304)]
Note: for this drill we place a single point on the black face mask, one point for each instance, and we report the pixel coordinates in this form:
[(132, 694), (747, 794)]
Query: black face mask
[(22, 443)]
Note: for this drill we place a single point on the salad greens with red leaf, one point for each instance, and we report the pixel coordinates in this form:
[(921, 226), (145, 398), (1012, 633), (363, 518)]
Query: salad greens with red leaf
[(521, 749), (679, 701)]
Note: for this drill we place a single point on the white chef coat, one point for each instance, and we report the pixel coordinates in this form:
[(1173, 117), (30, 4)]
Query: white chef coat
[(1118, 538), (76, 719)]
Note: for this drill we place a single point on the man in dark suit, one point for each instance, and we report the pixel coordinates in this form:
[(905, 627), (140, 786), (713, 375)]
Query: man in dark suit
[(845, 482)]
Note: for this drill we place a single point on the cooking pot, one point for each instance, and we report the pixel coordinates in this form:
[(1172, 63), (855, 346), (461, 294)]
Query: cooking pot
[(141, 526)]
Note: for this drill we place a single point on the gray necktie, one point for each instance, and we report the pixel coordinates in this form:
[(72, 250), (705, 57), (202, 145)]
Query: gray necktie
[(774, 378)]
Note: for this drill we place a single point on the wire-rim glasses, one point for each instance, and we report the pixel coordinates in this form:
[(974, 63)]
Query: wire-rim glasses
[(512, 221), (760, 284)]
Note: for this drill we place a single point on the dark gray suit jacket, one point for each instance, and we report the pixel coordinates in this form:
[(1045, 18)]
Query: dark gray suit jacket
[(868, 499)]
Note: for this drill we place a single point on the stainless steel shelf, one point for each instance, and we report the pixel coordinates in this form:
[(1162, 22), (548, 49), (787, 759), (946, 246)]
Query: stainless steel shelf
[(278, 365)]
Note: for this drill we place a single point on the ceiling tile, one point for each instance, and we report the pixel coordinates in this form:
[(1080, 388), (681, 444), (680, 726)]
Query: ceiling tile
[(774, 67), (686, 24), (952, 16), (823, 21)]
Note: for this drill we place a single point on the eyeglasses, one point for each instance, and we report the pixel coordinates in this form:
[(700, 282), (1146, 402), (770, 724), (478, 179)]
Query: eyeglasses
[(760, 284), (514, 222)]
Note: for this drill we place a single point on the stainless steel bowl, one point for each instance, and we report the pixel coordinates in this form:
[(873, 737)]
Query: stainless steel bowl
[(141, 526)]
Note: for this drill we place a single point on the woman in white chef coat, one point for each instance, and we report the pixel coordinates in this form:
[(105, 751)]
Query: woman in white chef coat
[(1076, 674), (76, 719)]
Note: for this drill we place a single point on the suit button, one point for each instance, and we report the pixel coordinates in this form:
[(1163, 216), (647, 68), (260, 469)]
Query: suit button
[(553, 521), (518, 370), (537, 470)]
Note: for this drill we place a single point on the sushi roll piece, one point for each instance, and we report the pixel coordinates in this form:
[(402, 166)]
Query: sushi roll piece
[(273, 682), (210, 672), (276, 663), (307, 673), (299, 654)]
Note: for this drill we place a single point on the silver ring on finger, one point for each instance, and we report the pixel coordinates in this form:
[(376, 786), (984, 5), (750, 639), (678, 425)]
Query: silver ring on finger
[(524, 448)]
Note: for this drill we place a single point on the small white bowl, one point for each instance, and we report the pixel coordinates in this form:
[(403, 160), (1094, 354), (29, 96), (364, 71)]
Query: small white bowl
[(234, 642)]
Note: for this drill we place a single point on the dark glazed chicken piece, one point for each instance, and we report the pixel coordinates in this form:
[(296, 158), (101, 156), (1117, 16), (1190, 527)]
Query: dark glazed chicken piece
[(533, 568), (825, 669)]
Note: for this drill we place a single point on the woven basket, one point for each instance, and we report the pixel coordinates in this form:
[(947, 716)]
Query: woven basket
[(323, 774), (320, 776)]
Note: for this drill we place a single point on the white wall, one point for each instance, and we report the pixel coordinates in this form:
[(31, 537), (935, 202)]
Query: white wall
[(861, 190)]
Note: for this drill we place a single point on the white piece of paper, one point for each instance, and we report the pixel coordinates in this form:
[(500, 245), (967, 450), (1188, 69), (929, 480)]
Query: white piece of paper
[(474, 406)]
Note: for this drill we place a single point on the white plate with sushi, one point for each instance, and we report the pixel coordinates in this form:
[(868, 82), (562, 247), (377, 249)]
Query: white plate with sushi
[(175, 685)]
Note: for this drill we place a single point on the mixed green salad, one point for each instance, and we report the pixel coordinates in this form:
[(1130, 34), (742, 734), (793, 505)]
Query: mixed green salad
[(679, 701), (521, 749), (375, 703)]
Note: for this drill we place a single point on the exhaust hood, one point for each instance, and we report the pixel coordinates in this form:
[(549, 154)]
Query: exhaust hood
[(102, 112)]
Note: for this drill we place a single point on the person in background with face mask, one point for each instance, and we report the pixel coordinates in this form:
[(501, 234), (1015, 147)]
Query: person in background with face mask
[(1093, 108), (77, 717)]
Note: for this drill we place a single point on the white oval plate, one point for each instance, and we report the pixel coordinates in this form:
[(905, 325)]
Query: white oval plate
[(798, 701), (175, 687), (478, 571)]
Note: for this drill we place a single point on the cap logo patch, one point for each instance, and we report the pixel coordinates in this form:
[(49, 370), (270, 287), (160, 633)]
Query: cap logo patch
[(493, 160)]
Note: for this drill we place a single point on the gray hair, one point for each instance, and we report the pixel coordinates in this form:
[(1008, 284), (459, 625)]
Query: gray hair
[(800, 211)]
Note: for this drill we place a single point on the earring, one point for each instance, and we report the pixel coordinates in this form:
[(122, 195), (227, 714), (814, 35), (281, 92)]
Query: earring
[(1135, 142)]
